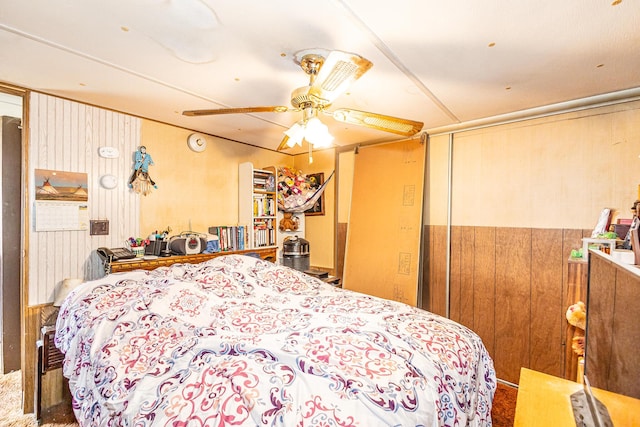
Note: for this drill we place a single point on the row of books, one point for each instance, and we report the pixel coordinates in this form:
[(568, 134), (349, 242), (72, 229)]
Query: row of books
[(264, 233), (264, 206), (264, 181), (231, 237)]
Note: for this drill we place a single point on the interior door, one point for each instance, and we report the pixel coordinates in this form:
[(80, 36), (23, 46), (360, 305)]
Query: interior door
[(383, 237), (11, 193)]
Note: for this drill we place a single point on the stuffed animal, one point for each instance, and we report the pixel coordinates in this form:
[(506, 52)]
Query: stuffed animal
[(577, 315), (577, 345), (288, 222)]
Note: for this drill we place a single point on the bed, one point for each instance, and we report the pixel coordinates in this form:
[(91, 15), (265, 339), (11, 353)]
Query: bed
[(239, 341)]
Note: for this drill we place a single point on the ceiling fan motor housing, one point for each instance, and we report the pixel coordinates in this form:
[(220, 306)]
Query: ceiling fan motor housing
[(301, 99)]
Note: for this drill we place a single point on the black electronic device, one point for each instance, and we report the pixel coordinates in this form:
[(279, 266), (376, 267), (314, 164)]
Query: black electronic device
[(115, 254), (155, 248)]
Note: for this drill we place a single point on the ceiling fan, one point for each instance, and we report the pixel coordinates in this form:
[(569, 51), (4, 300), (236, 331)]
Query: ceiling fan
[(329, 77)]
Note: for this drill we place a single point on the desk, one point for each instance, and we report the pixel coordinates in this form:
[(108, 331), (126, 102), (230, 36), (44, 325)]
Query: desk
[(544, 400), (268, 254)]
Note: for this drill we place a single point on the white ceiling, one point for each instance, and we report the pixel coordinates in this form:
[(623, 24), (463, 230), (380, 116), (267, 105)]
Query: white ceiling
[(439, 62)]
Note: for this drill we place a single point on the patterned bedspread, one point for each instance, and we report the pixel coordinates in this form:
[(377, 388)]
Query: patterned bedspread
[(237, 341)]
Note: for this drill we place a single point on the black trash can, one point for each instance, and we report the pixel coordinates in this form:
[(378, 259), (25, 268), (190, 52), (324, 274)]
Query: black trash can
[(295, 253)]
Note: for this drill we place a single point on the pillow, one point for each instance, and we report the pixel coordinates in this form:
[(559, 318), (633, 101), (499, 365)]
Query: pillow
[(63, 290)]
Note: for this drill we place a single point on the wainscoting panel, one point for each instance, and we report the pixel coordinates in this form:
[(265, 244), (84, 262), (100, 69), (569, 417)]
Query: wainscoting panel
[(434, 269), (509, 285), (467, 263), (484, 285), (546, 299), (512, 303)]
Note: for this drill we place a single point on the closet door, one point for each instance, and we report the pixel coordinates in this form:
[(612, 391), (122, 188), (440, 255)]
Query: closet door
[(383, 237)]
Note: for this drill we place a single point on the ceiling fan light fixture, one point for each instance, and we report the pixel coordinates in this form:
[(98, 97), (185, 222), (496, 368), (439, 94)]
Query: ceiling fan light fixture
[(317, 133), (296, 134), (311, 130)]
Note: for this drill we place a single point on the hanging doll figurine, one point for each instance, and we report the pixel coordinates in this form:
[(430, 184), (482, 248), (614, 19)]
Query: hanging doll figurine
[(140, 180)]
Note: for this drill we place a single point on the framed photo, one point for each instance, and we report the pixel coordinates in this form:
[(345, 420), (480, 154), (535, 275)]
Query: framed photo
[(315, 181)]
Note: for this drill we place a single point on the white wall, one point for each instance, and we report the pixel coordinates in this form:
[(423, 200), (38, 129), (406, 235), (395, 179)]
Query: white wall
[(65, 135)]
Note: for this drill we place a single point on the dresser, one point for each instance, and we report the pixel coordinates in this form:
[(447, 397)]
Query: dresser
[(612, 360)]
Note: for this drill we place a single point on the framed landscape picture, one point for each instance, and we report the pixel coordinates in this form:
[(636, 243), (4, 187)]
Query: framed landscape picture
[(315, 181)]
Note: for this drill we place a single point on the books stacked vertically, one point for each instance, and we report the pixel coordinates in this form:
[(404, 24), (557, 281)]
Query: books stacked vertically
[(264, 233), (264, 205), (263, 181), (231, 237)]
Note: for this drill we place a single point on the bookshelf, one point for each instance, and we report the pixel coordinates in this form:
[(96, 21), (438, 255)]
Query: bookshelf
[(257, 205)]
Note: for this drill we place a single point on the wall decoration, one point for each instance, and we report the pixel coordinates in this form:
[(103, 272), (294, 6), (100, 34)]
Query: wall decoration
[(61, 200), (140, 180), (315, 182)]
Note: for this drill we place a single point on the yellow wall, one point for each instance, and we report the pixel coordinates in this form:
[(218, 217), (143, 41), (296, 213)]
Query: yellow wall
[(320, 229), (200, 189)]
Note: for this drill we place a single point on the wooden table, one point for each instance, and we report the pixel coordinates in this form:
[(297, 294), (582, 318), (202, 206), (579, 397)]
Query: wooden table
[(268, 254), (544, 400)]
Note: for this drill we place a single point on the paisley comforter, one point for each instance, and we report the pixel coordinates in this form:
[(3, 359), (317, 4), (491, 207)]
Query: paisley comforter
[(238, 341)]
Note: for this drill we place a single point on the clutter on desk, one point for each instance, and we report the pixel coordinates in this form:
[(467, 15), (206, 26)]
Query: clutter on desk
[(137, 245), (614, 239)]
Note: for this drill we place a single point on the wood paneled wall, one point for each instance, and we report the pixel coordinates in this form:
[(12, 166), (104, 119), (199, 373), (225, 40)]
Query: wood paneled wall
[(65, 135), (508, 285)]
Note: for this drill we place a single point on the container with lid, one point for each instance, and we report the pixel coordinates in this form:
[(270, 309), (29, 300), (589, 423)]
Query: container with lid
[(295, 253)]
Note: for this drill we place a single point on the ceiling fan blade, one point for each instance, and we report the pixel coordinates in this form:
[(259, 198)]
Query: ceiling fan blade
[(283, 144), (377, 121), (272, 109), (337, 73)]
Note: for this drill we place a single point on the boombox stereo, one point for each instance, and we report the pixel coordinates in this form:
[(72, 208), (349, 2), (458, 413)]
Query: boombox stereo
[(188, 243)]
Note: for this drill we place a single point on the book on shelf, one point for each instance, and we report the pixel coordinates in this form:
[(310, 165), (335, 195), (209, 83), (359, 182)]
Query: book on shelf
[(264, 233), (263, 205), (263, 181), (231, 237)]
